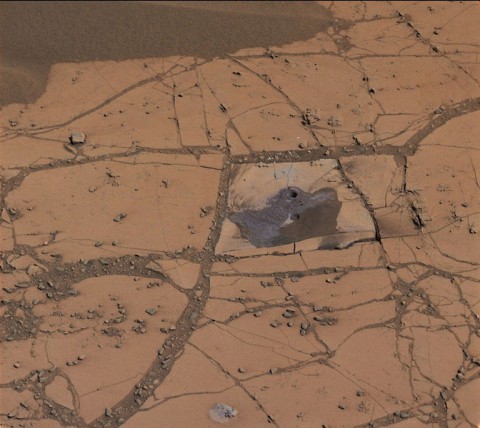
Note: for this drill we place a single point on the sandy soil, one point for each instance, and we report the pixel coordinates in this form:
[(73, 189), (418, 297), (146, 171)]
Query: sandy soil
[(35, 35), (240, 226)]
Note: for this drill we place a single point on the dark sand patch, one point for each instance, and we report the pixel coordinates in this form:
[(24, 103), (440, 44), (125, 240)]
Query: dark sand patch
[(35, 35)]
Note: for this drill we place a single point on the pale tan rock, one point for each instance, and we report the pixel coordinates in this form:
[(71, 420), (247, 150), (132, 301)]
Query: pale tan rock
[(108, 348), (148, 226), (258, 290), (361, 255), (384, 36), (263, 264), (198, 406), (181, 272), (252, 343), (24, 263), (194, 373), (379, 178), (397, 94), (220, 310), (299, 80), (10, 402), (317, 401), (466, 399), (422, 249), (58, 392), (272, 128), (23, 352), (72, 81), (336, 327), (6, 236), (387, 374), (27, 423), (22, 152), (346, 291), (432, 362)]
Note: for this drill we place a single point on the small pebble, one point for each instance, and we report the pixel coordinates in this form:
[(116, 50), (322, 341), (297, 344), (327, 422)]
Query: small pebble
[(151, 311)]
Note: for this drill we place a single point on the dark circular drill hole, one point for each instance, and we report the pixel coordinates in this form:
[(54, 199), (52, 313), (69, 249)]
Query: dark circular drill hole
[(292, 194), (294, 216)]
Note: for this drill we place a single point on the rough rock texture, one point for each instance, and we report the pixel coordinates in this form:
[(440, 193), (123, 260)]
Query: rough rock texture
[(135, 287)]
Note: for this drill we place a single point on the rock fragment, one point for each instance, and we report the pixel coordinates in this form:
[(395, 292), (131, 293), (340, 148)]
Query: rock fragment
[(119, 217), (151, 311), (77, 138)]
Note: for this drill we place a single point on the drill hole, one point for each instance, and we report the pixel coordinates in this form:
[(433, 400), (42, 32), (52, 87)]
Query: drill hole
[(292, 194)]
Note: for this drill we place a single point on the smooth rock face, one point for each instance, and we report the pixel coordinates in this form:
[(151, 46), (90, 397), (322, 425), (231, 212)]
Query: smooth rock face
[(281, 237)]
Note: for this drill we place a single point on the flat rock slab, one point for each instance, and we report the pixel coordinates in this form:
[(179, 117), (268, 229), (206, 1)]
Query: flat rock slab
[(154, 198), (288, 206)]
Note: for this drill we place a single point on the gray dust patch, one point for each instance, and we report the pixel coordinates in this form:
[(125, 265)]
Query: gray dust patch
[(222, 412), (291, 215)]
